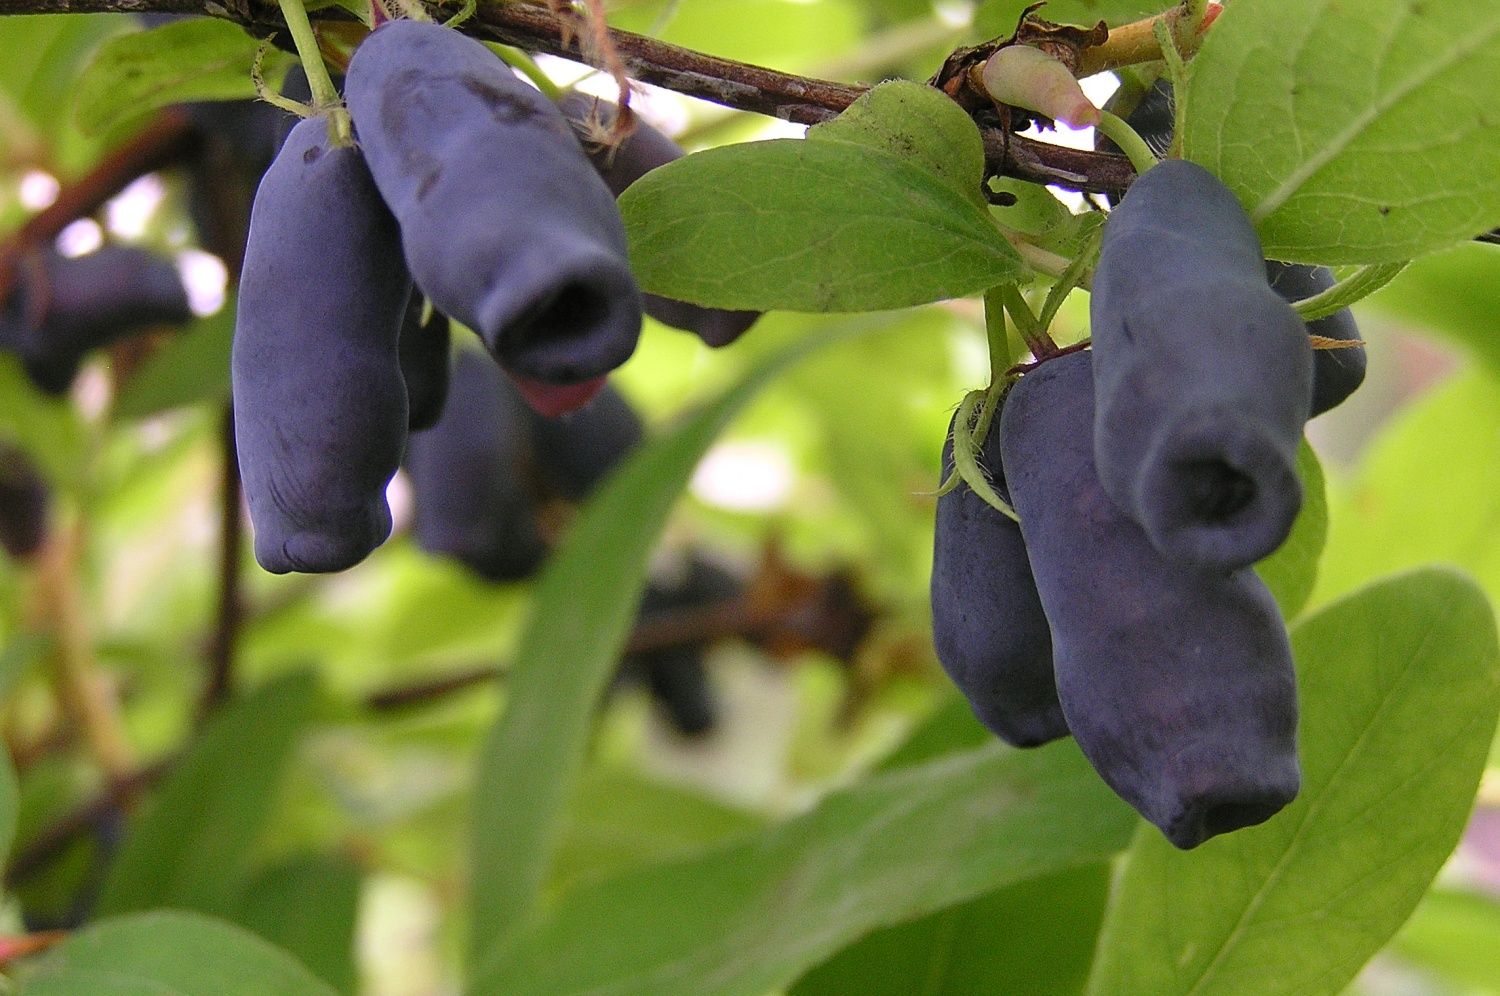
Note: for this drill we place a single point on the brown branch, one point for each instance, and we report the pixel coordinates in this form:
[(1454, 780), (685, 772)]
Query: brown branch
[(737, 85), (225, 640), (40, 851), (165, 141)]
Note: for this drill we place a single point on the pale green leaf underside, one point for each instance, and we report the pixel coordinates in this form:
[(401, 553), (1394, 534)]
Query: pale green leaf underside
[(1400, 688), (1352, 132)]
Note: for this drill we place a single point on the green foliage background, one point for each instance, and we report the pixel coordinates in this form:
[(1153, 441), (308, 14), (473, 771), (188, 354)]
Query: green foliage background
[(847, 831)]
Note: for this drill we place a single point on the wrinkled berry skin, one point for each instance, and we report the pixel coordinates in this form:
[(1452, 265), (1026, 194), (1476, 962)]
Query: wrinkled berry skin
[(1203, 373), (63, 309), (472, 477), (1177, 684), (319, 404), (987, 622), (1337, 373), (619, 167), (676, 676), (576, 451), (424, 364), (505, 225)]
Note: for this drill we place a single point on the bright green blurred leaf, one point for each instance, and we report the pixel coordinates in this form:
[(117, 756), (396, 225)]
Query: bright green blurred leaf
[(191, 847), (307, 907), (1454, 934), (1400, 686), (619, 820), (822, 224), (1352, 132), (754, 916), (585, 603), (1455, 293), (193, 366), (169, 954), (786, 34), (1292, 570), (1427, 492), (202, 58), (1036, 937)]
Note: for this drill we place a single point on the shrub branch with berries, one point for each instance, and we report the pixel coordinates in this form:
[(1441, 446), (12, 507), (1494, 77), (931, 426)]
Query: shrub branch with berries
[(440, 257)]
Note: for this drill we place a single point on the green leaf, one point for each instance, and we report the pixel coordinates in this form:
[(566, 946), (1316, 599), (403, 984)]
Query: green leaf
[(752, 917), (169, 954), (1400, 686), (1352, 132), (919, 123), (307, 907), (619, 820), (1452, 293), (585, 602), (1453, 934), (1037, 936), (841, 222), (192, 367), (202, 58), (190, 848), (950, 729), (1292, 570), (1427, 492)]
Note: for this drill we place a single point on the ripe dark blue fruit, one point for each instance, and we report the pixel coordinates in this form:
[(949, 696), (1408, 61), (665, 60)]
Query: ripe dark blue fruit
[(1337, 373), (319, 404), (987, 621), (640, 153), (1177, 683), (1204, 374), (424, 364), (676, 675), (472, 476), (574, 452), (65, 308), (506, 226)]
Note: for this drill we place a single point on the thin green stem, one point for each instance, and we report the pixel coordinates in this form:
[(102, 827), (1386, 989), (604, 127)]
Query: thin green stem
[(523, 61), (1118, 130), (1036, 338), (964, 460), (1177, 73), (1359, 284), (1070, 279), (324, 94)]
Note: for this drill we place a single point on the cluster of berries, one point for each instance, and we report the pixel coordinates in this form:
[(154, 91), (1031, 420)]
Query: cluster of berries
[(1149, 475), (467, 187)]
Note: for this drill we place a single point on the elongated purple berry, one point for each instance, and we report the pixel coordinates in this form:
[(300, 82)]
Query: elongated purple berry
[(1177, 683), (640, 153), (319, 403), (64, 308), (506, 226), (1204, 374), (472, 476), (987, 622)]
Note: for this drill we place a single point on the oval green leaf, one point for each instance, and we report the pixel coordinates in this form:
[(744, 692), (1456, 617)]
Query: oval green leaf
[(1400, 686), (181, 954), (202, 58), (1352, 132)]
